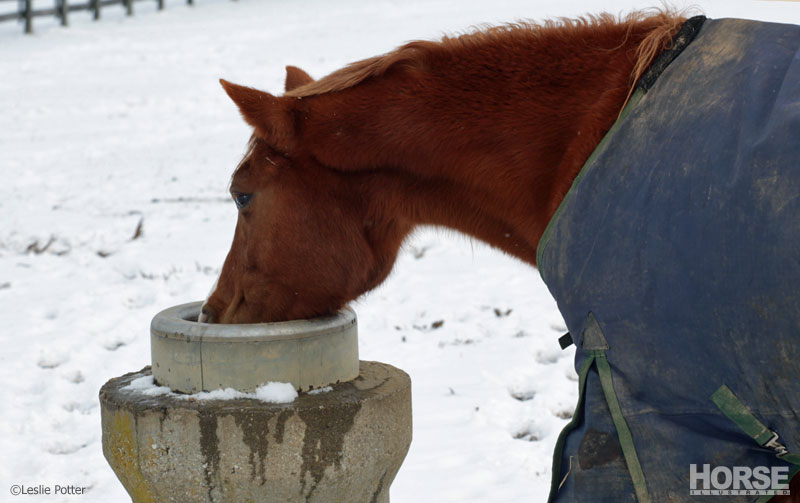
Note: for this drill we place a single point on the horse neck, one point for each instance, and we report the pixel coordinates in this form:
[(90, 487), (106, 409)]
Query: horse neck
[(398, 202), (484, 141)]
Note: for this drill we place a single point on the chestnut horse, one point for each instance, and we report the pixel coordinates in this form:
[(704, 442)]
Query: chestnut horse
[(483, 133)]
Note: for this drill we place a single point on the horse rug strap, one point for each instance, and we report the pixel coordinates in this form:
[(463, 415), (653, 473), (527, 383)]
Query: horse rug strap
[(675, 261)]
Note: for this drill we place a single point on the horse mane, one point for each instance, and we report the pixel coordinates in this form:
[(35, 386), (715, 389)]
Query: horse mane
[(663, 24), (409, 54), (656, 41)]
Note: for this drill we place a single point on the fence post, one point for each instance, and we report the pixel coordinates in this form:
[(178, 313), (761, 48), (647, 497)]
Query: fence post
[(129, 7), (64, 12), (160, 4), (28, 16), (96, 5)]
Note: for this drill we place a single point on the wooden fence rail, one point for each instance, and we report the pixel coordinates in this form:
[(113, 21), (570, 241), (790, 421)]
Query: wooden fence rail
[(61, 9)]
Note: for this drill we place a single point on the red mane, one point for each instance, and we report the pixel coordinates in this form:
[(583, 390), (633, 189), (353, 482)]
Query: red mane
[(664, 24)]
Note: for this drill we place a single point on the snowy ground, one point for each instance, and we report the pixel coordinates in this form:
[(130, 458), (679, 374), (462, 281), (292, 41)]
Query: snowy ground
[(121, 125)]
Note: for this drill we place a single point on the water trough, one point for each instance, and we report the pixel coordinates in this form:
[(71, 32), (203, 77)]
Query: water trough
[(343, 441)]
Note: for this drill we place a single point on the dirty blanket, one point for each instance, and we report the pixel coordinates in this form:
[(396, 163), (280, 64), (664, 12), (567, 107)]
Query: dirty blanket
[(675, 261)]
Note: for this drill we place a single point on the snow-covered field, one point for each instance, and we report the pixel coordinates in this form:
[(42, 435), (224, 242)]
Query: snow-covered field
[(116, 146)]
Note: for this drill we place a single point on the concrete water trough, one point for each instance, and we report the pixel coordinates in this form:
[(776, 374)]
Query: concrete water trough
[(189, 356), (342, 442)]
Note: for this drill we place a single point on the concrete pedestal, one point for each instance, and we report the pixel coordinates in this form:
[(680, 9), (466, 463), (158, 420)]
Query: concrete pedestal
[(343, 446)]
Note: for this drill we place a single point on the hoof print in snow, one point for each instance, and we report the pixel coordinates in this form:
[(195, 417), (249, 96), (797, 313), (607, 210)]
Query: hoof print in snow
[(457, 342), (83, 408), (62, 448), (548, 357), (563, 414), (49, 361), (418, 253), (522, 395), (527, 435), (113, 345), (75, 377)]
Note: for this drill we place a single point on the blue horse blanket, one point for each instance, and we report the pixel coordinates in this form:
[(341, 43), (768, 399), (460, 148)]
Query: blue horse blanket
[(675, 261)]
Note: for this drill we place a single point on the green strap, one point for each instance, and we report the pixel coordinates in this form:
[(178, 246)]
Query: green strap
[(737, 412), (556, 479), (623, 432), (791, 458)]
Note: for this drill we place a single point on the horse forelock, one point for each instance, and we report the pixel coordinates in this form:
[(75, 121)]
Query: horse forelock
[(251, 146)]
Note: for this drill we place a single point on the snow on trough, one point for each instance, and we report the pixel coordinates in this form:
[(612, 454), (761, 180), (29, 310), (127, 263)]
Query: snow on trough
[(117, 146), (271, 392)]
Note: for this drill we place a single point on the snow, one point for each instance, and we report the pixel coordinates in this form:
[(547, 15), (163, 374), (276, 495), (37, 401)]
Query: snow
[(319, 391), (271, 392), (276, 392), (146, 385), (120, 125)]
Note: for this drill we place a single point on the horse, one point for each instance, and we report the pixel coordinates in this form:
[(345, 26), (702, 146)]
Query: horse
[(484, 133), (472, 133)]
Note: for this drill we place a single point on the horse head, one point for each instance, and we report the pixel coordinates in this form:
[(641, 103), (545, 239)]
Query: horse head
[(305, 241)]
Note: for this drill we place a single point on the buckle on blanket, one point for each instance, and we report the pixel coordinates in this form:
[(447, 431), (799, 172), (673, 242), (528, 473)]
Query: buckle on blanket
[(779, 448)]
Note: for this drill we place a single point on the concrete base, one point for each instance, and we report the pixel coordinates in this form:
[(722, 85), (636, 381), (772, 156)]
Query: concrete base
[(343, 446)]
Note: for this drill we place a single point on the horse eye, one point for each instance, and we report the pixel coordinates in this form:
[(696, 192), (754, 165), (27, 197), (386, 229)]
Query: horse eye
[(241, 200)]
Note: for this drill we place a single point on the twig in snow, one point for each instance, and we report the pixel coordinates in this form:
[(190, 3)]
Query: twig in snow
[(37, 249), (139, 230)]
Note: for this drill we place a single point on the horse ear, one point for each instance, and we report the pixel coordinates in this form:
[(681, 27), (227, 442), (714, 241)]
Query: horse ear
[(269, 115), (296, 77)]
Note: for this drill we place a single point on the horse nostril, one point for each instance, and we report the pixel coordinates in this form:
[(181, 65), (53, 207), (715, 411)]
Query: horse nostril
[(206, 315)]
